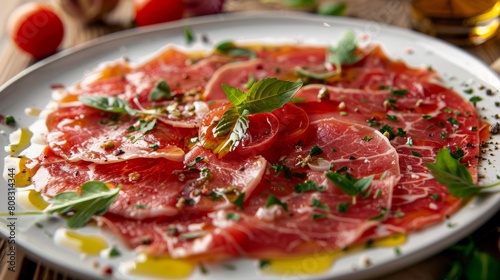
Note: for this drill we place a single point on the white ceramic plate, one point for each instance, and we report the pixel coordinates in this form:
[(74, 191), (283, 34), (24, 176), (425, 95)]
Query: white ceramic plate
[(31, 88)]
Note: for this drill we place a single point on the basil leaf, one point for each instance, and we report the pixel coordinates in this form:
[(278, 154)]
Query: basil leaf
[(95, 199), (229, 48), (159, 91), (344, 52), (349, 184), (107, 103), (234, 95), (265, 95), (269, 94), (482, 266), (450, 172), (234, 127)]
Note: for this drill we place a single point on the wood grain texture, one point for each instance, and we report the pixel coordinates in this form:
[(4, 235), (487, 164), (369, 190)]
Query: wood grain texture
[(381, 12)]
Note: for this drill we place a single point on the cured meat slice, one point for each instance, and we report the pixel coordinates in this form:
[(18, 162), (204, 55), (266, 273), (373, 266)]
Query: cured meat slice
[(311, 221), (186, 81), (150, 187), (375, 69), (275, 62), (426, 118), (83, 133), (155, 187), (221, 181)]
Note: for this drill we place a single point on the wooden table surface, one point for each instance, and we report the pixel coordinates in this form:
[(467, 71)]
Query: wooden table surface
[(383, 12)]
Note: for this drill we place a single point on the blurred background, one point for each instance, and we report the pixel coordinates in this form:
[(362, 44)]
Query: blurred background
[(31, 30)]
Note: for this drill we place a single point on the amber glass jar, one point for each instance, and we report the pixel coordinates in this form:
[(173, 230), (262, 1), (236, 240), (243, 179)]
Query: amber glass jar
[(461, 22)]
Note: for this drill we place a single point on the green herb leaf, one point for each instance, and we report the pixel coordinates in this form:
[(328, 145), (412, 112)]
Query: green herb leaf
[(188, 34), (299, 3), (399, 92), (192, 235), (229, 48), (451, 173), (318, 204), (332, 9), (344, 52), (308, 186), (238, 202), (107, 103), (233, 216), (10, 120), (272, 200), (315, 151), (265, 95), (475, 99), (195, 161), (301, 71), (342, 207), (349, 184), (95, 199), (264, 263), (383, 213), (160, 90), (234, 125)]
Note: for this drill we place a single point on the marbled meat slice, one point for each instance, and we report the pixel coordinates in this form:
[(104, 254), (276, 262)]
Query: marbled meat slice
[(312, 220), (83, 133)]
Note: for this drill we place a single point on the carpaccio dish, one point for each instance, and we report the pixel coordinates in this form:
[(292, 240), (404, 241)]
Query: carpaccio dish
[(338, 160)]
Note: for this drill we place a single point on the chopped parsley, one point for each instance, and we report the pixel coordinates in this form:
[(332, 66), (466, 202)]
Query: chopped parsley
[(272, 200)]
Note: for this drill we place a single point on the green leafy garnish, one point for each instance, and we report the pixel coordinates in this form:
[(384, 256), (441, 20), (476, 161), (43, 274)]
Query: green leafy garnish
[(95, 199), (344, 52), (160, 90), (318, 204), (195, 161), (399, 92), (272, 200), (264, 263), (107, 103), (10, 120), (332, 9), (229, 48), (265, 95), (188, 34), (315, 151), (308, 186), (381, 215), (342, 207), (192, 235), (450, 172), (233, 216), (301, 71), (238, 202), (298, 3), (475, 99), (470, 262), (350, 185)]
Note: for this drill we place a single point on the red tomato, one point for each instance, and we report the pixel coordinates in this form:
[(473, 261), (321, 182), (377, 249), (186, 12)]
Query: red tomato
[(36, 29), (148, 12), (261, 133), (293, 123)]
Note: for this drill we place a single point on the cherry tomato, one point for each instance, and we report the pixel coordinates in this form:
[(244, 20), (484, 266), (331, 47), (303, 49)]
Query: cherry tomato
[(148, 12), (293, 123), (36, 29), (261, 133)]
